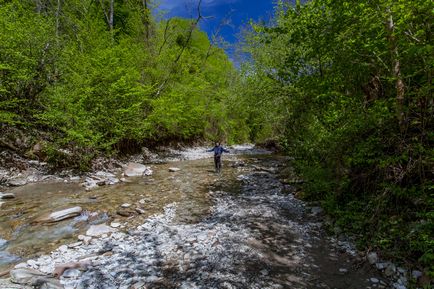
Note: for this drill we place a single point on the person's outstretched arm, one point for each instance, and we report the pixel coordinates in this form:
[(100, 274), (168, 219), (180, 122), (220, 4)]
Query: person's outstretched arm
[(211, 150)]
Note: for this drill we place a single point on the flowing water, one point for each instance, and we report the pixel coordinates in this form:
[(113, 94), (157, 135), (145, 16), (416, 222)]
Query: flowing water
[(239, 229)]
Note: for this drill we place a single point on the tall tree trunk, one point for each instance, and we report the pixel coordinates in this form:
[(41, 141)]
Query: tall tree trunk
[(39, 7), (59, 7), (108, 14), (396, 69), (112, 8), (146, 21)]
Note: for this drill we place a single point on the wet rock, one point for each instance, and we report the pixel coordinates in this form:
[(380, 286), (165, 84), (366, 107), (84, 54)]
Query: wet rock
[(140, 211), (137, 170), (5, 196), (1, 203), (111, 181), (372, 258), (374, 280), (145, 200), (126, 205), (25, 276), (381, 266), (60, 215), (343, 270), (90, 184), (125, 212), (98, 230), (174, 170)]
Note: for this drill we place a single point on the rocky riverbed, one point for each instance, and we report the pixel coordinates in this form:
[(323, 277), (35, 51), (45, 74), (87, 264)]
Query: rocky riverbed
[(177, 225)]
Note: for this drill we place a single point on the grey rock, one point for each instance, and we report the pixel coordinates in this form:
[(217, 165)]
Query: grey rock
[(416, 274), (372, 258), (47, 283), (125, 212), (60, 215), (32, 263), (137, 170), (115, 225), (24, 275), (63, 248), (401, 270), (343, 270), (5, 196), (21, 265), (390, 270), (90, 184), (98, 230), (102, 174), (374, 280), (140, 211), (71, 273), (174, 170), (399, 286), (381, 266), (74, 245), (19, 181), (126, 205), (111, 181), (316, 210)]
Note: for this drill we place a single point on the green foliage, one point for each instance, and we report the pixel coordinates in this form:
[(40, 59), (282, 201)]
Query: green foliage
[(111, 88), (27, 52), (327, 72)]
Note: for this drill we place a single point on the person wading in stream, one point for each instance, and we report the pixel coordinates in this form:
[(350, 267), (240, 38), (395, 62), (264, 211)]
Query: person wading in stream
[(218, 151)]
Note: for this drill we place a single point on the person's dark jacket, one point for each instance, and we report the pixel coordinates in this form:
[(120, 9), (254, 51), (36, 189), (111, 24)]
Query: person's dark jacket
[(218, 150)]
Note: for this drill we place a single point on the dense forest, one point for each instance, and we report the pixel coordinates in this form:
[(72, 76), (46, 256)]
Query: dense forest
[(105, 76), (345, 87)]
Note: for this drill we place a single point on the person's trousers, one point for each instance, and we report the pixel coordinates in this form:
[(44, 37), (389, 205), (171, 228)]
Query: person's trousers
[(218, 162)]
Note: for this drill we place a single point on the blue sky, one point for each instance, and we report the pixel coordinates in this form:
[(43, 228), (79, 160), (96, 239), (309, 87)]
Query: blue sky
[(239, 12)]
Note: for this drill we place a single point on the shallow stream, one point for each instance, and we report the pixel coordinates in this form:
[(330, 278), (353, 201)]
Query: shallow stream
[(242, 228)]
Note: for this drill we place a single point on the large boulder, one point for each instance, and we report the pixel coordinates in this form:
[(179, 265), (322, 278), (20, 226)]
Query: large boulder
[(137, 170), (60, 215)]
